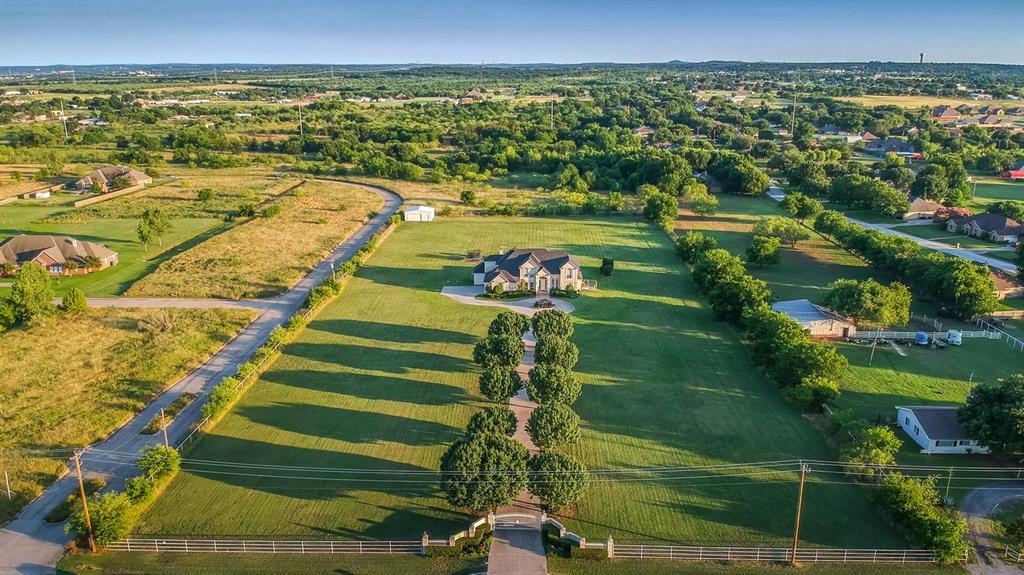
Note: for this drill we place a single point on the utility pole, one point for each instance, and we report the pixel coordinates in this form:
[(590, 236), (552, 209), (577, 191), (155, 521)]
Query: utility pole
[(64, 119), (949, 478), (551, 115), (85, 504), (7, 481), (799, 511), (301, 133), (873, 346), (163, 425), (792, 122)]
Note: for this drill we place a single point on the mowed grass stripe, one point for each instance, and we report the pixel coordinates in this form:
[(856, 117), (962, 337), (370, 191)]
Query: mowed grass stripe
[(383, 380)]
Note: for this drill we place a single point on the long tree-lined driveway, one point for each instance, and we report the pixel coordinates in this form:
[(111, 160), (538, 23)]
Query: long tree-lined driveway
[(29, 545)]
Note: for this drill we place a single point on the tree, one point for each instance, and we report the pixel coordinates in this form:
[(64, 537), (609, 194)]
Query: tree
[(557, 479), (154, 225), (552, 323), (704, 205), (661, 208), (120, 182), (716, 266), (869, 302), (112, 516), (553, 383), (158, 461), (205, 195), (31, 295), (876, 446), (509, 323), (915, 503), (931, 183), (730, 298), (498, 420), (764, 250), (74, 301), (483, 471), (499, 382), (552, 425), (7, 317), (1014, 531), (787, 230), (994, 414), (968, 289), (557, 351), (801, 205), (467, 197), (93, 263), (504, 350), (691, 244)]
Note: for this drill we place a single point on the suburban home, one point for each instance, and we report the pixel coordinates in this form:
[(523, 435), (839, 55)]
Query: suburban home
[(818, 321), (419, 214), (965, 109), (990, 120), (992, 227), (945, 113), (921, 208), (868, 137), (905, 131), (55, 253), (901, 148), (1016, 111), (936, 430), (538, 270), (991, 110), (644, 132), (104, 178)]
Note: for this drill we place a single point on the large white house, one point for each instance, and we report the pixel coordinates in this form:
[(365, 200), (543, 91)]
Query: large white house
[(936, 430), (536, 270)]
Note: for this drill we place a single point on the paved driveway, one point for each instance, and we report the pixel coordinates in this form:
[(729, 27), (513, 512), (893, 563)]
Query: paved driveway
[(29, 546), (467, 295)]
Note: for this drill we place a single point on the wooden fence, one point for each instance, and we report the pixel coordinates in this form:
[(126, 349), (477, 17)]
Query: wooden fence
[(770, 554), (247, 546)]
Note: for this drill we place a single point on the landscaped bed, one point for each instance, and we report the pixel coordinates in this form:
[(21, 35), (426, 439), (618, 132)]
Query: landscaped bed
[(382, 380)]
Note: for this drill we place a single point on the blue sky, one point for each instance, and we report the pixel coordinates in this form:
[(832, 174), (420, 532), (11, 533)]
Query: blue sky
[(37, 32)]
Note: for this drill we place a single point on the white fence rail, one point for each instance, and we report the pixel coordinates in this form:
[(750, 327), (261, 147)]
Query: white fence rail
[(772, 554), (1011, 554), (245, 546), (868, 335), (1015, 343)]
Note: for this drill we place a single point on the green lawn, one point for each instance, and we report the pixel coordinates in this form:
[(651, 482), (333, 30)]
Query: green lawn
[(382, 380), (990, 190), (117, 234), (559, 566), (233, 564)]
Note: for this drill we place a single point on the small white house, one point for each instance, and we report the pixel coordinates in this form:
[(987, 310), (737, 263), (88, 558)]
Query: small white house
[(936, 430), (419, 214)]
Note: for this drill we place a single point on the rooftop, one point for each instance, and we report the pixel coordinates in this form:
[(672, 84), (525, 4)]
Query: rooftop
[(938, 422)]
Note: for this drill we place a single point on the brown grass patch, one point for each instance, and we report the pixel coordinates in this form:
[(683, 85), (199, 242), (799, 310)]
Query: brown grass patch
[(265, 256)]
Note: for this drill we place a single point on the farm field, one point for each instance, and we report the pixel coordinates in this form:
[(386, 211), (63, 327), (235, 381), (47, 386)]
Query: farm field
[(64, 392), (265, 255), (665, 385), (118, 234)]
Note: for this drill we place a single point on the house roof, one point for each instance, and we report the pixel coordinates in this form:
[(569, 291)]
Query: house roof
[(918, 204), (997, 223), (508, 264), (108, 173), (60, 249), (938, 422), (424, 209), (804, 311), (891, 144), (945, 112)]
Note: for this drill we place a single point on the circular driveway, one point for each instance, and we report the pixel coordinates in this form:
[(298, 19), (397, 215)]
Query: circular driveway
[(467, 295)]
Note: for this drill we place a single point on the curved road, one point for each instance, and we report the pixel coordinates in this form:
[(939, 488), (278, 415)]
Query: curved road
[(976, 507), (30, 546)]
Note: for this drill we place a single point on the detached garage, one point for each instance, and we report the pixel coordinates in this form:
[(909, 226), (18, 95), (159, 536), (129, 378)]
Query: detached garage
[(419, 214)]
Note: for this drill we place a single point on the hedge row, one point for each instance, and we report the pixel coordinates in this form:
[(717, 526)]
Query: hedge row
[(960, 287), (808, 371), (915, 503)]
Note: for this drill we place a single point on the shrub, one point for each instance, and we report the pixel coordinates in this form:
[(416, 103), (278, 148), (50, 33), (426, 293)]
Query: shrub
[(271, 211), (74, 301), (552, 323), (552, 425), (875, 446), (499, 382), (112, 516), (553, 383), (139, 489), (509, 323), (498, 419), (72, 502), (691, 244), (557, 351), (157, 461), (607, 267), (915, 503), (506, 350)]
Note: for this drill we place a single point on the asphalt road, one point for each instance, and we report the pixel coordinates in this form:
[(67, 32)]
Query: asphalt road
[(982, 503), (30, 546)]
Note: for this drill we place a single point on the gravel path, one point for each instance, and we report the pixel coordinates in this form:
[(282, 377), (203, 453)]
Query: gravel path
[(467, 295), (29, 546)]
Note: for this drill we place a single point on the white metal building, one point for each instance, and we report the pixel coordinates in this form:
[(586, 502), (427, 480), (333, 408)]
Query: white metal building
[(936, 429), (419, 214)]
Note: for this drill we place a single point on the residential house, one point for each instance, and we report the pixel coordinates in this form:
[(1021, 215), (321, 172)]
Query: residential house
[(644, 132), (55, 253), (539, 270), (831, 130), (991, 111), (992, 227), (869, 137), (818, 321), (905, 131), (104, 178), (901, 148), (980, 96), (945, 113), (920, 209), (1016, 111), (965, 109), (936, 430), (990, 121)]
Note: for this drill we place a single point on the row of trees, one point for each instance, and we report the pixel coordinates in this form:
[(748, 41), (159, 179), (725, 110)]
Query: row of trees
[(959, 286), (808, 371), (486, 467)]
